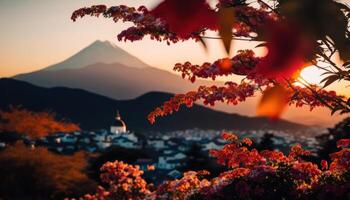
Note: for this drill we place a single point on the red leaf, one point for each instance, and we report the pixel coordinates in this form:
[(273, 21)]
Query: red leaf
[(288, 49), (185, 17)]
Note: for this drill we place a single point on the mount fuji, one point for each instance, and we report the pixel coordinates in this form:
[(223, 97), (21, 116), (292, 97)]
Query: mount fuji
[(106, 69)]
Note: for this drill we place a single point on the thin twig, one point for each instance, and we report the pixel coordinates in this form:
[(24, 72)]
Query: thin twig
[(234, 38)]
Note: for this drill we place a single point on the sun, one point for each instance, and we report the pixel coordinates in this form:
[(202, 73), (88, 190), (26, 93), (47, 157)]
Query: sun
[(311, 75)]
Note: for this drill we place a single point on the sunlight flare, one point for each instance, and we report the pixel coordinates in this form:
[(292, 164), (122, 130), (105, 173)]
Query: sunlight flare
[(310, 75)]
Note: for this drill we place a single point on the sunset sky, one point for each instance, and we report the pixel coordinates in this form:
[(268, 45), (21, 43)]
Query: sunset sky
[(36, 35)]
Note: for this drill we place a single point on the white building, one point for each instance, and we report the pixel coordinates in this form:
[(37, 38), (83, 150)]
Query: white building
[(157, 144), (118, 126), (211, 145)]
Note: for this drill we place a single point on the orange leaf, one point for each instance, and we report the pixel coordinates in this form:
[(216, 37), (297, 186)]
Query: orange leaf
[(273, 102)]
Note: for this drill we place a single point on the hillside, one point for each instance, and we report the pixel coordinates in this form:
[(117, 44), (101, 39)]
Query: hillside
[(115, 80), (94, 111)]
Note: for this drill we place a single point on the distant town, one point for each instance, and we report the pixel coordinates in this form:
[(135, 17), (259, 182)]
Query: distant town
[(170, 148)]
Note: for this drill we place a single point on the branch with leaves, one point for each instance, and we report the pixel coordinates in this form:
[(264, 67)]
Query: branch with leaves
[(295, 33)]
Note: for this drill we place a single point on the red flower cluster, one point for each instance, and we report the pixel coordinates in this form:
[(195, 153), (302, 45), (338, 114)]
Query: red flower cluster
[(241, 64), (183, 188), (341, 161), (172, 22), (236, 154), (297, 151), (145, 23), (313, 97), (124, 182), (252, 175), (305, 171), (92, 11), (233, 93), (343, 143), (252, 20)]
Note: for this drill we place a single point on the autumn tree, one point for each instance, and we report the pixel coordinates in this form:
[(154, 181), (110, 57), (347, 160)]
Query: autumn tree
[(40, 174), (195, 159), (327, 141), (33, 124), (36, 172), (266, 142), (294, 33)]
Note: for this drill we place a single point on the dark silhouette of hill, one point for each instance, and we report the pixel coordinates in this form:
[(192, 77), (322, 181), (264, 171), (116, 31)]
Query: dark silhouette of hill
[(94, 111)]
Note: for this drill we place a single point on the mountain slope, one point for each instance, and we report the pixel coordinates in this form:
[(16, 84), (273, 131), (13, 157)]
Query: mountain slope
[(113, 80), (94, 111), (106, 69), (96, 52)]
